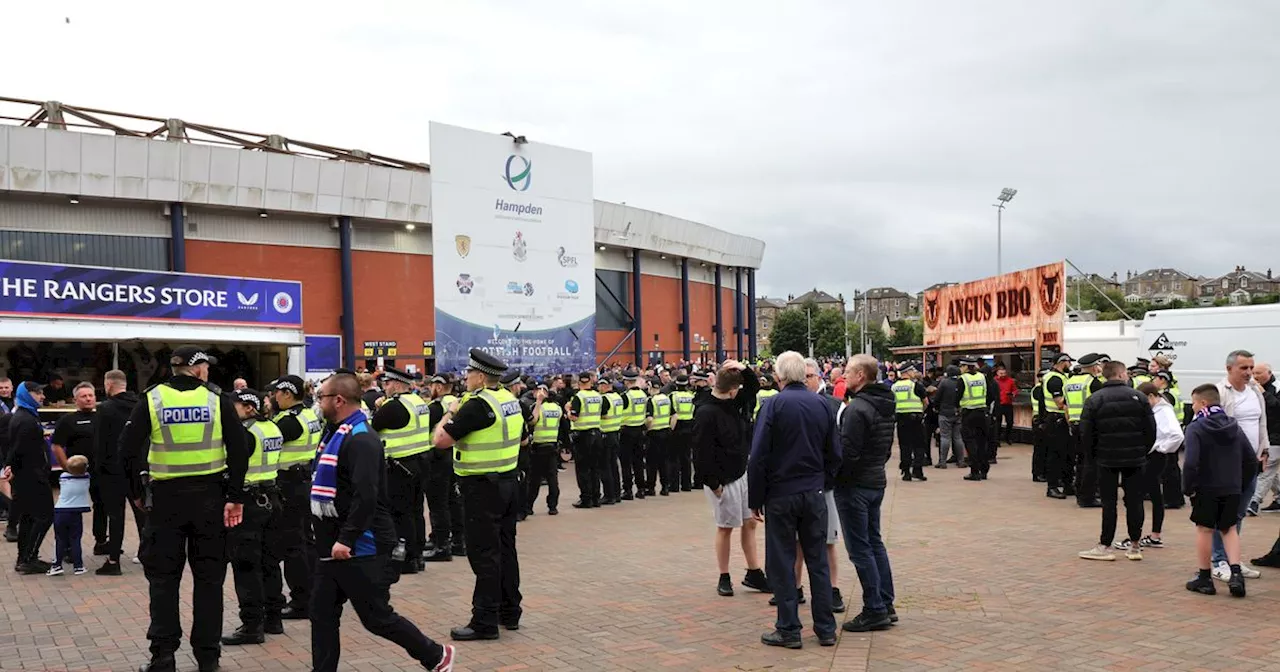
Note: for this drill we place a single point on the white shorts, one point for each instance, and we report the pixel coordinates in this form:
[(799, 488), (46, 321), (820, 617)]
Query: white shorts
[(833, 519), (730, 508)]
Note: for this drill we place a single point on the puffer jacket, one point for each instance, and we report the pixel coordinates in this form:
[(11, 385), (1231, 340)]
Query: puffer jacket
[(866, 438), (1117, 428), (1273, 411)]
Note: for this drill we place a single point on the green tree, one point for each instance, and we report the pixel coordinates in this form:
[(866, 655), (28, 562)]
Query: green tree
[(789, 330), (794, 327), (907, 332)]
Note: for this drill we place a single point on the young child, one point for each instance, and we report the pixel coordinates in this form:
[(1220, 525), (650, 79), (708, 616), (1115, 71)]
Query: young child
[(1220, 462), (68, 524)]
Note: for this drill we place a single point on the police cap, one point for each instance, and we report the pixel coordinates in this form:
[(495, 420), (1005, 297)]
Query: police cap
[(248, 397), (1063, 357), (392, 373), (1091, 359), (290, 384), (630, 374), (510, 378), (486, 363), (190, 355)]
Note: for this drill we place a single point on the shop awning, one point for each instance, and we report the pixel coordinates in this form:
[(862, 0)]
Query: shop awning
[(992, 347), (105, 330)]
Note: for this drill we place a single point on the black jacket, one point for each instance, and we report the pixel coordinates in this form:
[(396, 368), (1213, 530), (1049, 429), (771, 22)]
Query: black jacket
[(1117, 427), (721, 436), (1273, 411), (361, 500), (949, 392), (866, 437), (113, 414), (1220, 460), (28, 453)]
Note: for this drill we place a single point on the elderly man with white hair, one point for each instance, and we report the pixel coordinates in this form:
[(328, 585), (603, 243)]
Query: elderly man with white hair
[(1243, 401), (793, 457)]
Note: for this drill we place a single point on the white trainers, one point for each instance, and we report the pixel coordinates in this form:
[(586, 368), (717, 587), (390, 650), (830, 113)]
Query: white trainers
[(55, 570), (1222, 571), (1249, 572), (1134, 553), (1098, 552), (79, 571)]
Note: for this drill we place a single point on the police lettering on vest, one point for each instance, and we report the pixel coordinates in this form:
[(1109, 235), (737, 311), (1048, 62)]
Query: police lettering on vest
[(904, 393), (186, 433), (301, 450), (268, 443), (589, 406), (547, 431), (496, 448), (612, 421), (178, 416), (975, 391)]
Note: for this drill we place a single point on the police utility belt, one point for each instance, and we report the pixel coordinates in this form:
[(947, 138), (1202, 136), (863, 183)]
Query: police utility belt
[(261, 493)]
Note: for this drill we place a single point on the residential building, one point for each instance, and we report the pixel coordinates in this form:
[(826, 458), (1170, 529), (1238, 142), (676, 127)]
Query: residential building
[(817, 296), (767, 310), (1169, 283), (881, 303), (1240, 285)]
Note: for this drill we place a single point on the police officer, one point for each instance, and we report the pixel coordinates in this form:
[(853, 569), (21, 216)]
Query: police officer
[(1079, 388), (484, 429), (193, 476), (659, 419), (767, 390), (610, 430), (1140, 372), (909, 394), (514, 383), (252, 545), (585, 409), (1038, 413), (403, 424), (443, 499), (973, 419), (680, 448), (300, 428), (631, 451), (1058, 437), (545, 451)]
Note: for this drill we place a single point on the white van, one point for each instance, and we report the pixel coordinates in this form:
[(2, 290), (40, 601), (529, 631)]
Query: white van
[(1117, 339), (1198, 339)]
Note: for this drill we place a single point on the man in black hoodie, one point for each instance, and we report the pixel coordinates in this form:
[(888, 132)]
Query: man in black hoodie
[(722, 443), (866, 435), (27, 465), (108, 468)]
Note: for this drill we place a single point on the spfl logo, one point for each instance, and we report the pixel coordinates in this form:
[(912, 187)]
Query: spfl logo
[(249, 302), (519, 173), (565, 260), (282, 302), (519, 248)]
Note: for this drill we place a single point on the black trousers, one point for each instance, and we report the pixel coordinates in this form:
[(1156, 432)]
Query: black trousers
[(1057, 451), (973, 427), (99, 524), (544, 459), (587, 463), (656, 460), (524, 466), (113, 492), (185, 527), (33, 510), (930, 434), (255, 564), (1003, 416), (366, 582), (912, 447), (1086, 470), (444, 500), (631, 458), (1152, 474), (609, 477), (680, 456), (1037, 448), (1171, 482), (1130, 478), (404, 484), (295, 539), (491, 507)]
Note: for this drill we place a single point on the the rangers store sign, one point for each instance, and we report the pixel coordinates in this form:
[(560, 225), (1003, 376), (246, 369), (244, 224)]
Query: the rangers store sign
[(1019, 306)]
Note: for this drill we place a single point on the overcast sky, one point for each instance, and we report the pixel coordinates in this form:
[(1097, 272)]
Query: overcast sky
[(864, 142)]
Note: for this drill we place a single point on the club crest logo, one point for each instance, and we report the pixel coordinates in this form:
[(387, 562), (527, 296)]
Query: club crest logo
[(1051, 292), (931, 309), (519, 248), (463, 245)]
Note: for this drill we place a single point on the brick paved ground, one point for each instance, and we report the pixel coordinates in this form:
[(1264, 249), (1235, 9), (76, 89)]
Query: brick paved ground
[(986, 576)]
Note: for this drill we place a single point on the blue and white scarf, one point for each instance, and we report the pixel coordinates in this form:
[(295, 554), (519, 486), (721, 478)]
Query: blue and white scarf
[(1208, 411), (324, 482)]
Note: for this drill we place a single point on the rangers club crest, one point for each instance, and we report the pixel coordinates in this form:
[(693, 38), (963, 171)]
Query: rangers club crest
[(1051, 290), (463, 245), (519, 248)]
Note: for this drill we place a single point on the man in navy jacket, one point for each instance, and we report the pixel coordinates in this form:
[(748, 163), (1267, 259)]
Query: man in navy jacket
[(793, 455)]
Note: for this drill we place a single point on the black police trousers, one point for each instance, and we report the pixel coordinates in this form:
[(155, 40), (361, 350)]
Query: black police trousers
[(1086, 480), (912, 445), (973, 427), (587, 464), (404, 485), (656, 461), (524, 466), (1057, 452), (366, 583), (444, 500), (631, 458), (610, 479), (296, 541), (490, 506), (255, 564), (543, 462), (184, 527), (680, 456)]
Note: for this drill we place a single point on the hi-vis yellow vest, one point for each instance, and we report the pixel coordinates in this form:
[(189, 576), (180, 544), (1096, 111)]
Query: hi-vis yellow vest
[(904, 393), (413, 438), (547, 431), (761, 396), (302, 449), (186, 433), (1076, 392), (496, 448), (975, 391), (589, 407), (612, 421), (1049, 404), (683, 400), (636, 400), (661, 412), (268, 443)]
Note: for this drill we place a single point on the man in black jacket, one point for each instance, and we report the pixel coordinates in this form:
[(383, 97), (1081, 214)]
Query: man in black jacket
[(108, 468), (866, 435), (722, 444), (950, 390), (1269, 479), (27, 466), (1117, 430)]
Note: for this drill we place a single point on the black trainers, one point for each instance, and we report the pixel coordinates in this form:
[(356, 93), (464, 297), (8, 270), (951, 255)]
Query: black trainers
[(973, 477), (1273, 507), (108, 569), (1202, 585), (756, 580), (776, 638), (773, 601), (893, 614), (244, 635), (99, 549), (725, 589), (837, 602), (868, 621), (1252, 511), (1236, 584), (1055, 493), (827, 640), (273, 625), (1268, 560)]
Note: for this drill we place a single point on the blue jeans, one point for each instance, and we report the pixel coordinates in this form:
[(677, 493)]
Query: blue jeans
[(802, 517), (859, 510), (1220, 553), (68, 527)]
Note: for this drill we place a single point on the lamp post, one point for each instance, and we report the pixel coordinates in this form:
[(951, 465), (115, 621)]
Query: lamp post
[(1005, 196), (808, 318)]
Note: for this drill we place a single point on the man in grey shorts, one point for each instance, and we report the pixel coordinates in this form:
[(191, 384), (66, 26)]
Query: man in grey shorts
[(722, 443)]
